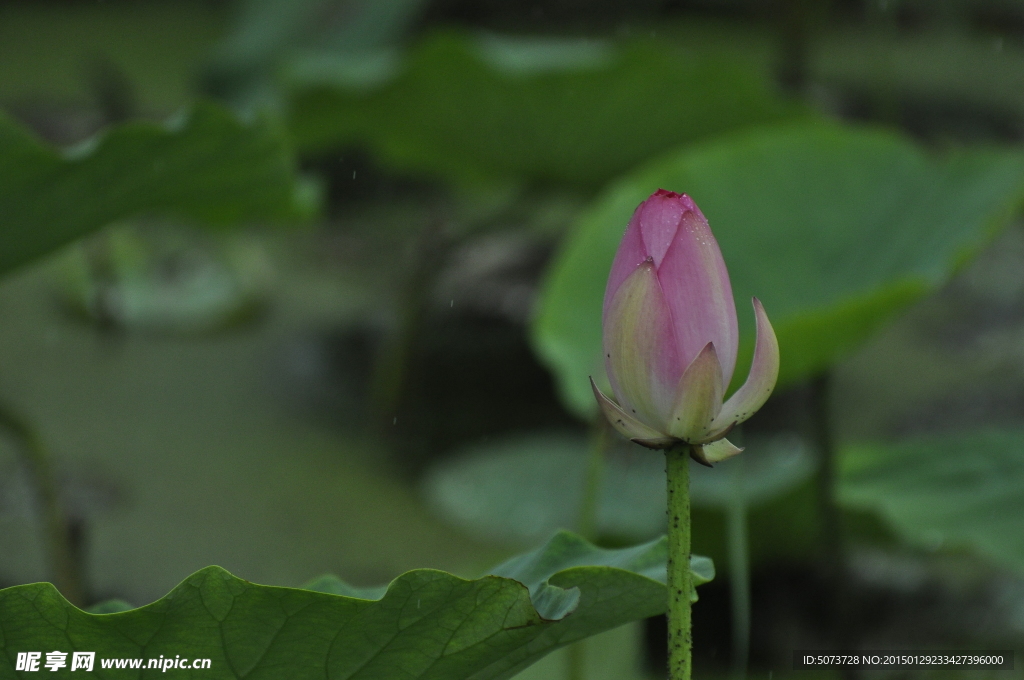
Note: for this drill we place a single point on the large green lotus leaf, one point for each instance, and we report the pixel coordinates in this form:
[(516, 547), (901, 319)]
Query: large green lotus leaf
[(951, 491), (833, 228), (426, 625), (498, 109), (207, 166)]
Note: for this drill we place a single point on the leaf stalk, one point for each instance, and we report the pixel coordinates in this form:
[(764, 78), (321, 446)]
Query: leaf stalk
[(65, 569)]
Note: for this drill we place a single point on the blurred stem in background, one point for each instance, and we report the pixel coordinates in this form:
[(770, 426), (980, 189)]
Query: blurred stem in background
[(427, 255), (797, 20), (886, 100), (833, 557), (793, 44), (429, 251), (64, 565), (576, 661), (601, 439), (794, 48), (737, 536), (115, 94)]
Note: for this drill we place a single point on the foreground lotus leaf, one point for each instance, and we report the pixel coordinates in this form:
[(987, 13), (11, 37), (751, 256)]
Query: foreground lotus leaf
[(426, 624)]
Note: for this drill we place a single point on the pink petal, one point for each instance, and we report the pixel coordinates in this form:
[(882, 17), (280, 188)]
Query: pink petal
[(626, 424), (698, 397), (764, 372), (699, 295), (640, 349), (659, 218), (630, 255)]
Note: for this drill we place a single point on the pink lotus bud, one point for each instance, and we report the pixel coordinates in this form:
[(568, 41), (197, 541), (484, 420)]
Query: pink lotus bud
[(671, 335)]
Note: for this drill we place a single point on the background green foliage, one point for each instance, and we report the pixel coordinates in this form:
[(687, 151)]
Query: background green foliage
[(833, 228), (860, 163), (205, 166), (544, 110), (958, 492)]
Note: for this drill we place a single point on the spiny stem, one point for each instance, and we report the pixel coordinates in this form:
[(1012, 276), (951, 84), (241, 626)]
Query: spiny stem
[(680, 640), (66, 576)]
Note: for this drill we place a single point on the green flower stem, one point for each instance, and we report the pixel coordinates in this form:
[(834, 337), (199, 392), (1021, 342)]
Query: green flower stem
[(680, 639), (64, 566)]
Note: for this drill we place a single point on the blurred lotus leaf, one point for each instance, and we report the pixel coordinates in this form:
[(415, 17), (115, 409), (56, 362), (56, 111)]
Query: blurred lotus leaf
[(833, 228), (491, 109), (521, 488), (265, 32), (163, 279), (207, 166), (963, 490), (768, 468)]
